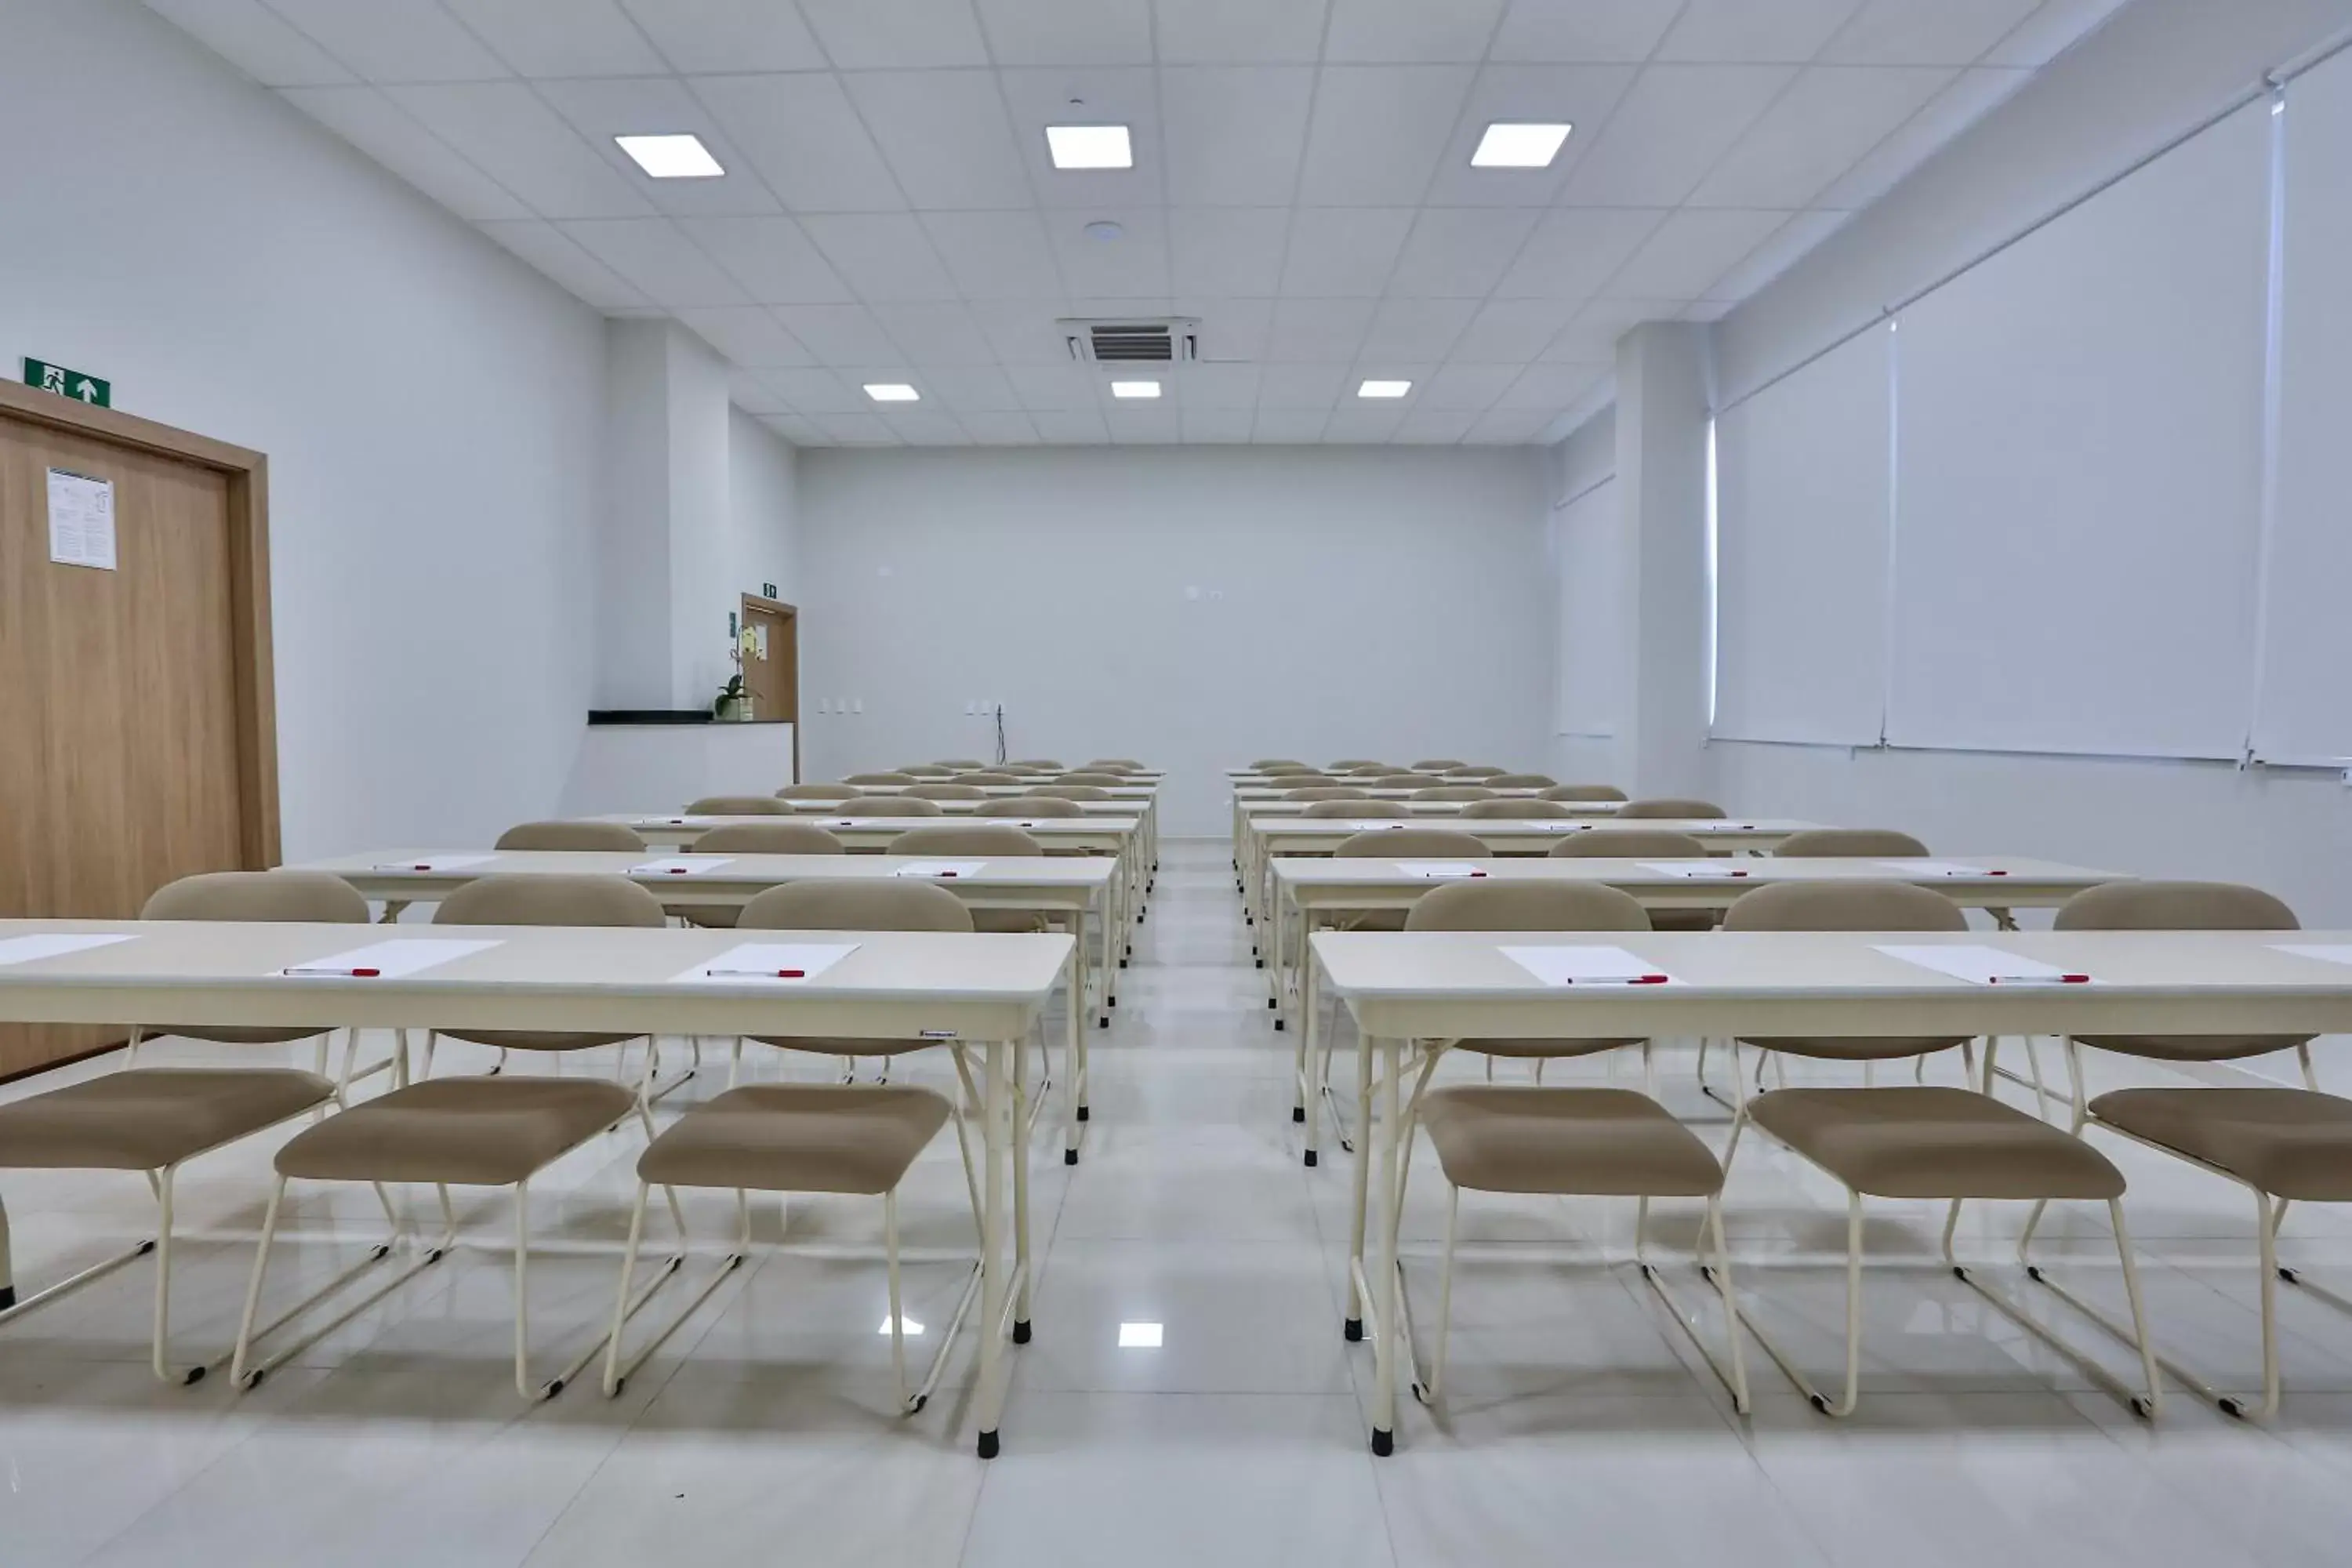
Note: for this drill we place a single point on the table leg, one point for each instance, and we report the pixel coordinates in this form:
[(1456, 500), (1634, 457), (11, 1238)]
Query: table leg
[(1363, 1175), (1107, 969), (1274, 917), (993, 1374), (7, 1269), (1311, 1030), (1387, 1346), (1074, 1058), (1020, 1192)]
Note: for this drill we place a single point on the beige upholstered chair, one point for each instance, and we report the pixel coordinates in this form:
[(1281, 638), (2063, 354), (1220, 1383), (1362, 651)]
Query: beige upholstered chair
[(1918, 1141), (927, 770), (1327, 792), (1406, 780), (1037, 805), (491, 1131), (737, 806), (1036, 765), (889, 776), (1644, 844), (1521, 780), (1087, 777), (786, 837), (994, 776), (2282, 1145), (1275, 764), (1454, 792), (1409, 843), (155, 1120), (1518, 806), (1438, 764), (819, 792), (618, 837), (890, 806), (1634, 810), (1116, 764), (1071, 790), (986, 840), (1367, 770), (956, 791), (1582, 792), (848, 1139), (1476, 771), (1307, 781), (960, 764), (1364, 809), (1350, 764), (1852, 843)]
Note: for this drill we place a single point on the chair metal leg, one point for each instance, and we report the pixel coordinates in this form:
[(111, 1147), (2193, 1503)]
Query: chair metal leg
[(1805, 1386), (897, 1312), (1428, 1389), (161, 1350), (522, 1288)]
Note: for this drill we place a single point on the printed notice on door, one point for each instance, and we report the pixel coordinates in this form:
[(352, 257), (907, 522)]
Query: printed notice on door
[(81, 519)]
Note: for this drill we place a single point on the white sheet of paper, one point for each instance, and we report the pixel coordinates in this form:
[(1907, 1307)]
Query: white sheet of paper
[(391, 960), (767, 963), (1439, 870), (25, 949), (2326, 951), (1932, 868), (1377, 825), (1583, 965), (931, 868), (437, 863), (1716, 827), (1982, 966), (681, 865), (1695, 870), (81, 519)]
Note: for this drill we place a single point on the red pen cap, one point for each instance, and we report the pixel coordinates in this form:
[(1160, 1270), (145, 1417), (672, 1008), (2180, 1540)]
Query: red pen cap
[(1996, 873), (367, 974), (1477, 873), (947, 873), (1647, 980), (791, 975)]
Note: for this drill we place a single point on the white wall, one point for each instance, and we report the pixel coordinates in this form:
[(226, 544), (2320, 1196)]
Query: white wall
[(763, 508), (431, 408), (1360, 601)]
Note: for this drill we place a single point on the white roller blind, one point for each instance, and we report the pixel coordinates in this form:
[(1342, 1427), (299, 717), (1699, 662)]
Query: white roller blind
[(1801, 487), (1589, 684), (2304, 712), (2079, 473)]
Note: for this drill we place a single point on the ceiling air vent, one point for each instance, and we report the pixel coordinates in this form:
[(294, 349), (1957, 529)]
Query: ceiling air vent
[(1168, 341)]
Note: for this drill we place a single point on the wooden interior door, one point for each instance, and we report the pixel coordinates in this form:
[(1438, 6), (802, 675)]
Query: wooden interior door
[(771, 668), (128, 708)]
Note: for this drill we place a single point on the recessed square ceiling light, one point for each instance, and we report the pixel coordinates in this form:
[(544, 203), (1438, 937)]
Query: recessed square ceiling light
[(892, 391), (1139, 1336), (1384, 389), (1509, 146), (1135, 389), (671, 157), (1089, 147)]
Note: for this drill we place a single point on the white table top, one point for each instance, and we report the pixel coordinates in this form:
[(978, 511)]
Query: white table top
[(1255, 796), (1999, 881), (1126, 808), (412, 877), (679, 828), (1126, 791), (1297, 832), (1278, 806)]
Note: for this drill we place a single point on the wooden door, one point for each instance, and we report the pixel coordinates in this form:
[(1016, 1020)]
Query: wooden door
[(129, 714), (771, 665)]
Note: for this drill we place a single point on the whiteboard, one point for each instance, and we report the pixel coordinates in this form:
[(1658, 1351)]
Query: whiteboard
[(2079, 473), (1801, 520), (2305, 710), (1589, 689)]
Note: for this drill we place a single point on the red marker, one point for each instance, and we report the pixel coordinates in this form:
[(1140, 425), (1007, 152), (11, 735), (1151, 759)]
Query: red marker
[(1477, 873), (947, 873), (338, 973), (1997, 874), (757, 973)]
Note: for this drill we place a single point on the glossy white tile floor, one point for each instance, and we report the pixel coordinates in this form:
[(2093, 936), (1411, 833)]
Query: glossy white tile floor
[(1577, 1421)]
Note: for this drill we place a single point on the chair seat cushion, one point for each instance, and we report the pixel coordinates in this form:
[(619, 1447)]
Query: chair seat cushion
[(1530, 1047), (538, 1039), (142, 1118), (2194, 1047), (230, 1034), (1934, 1143), (799, 1138), (1586, 1142), (473, 1131), (2290, 1142)]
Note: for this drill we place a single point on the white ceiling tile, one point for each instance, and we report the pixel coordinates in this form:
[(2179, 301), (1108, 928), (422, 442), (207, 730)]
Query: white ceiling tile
[(749, 335), (997, 428), (1218, 386), (394, 40), (1436, 426), (1417, 328), (1574, 250), (1143, 424), (1234, 133), (728, 34), (1081, 426), (1232, 329), (1828, 119), (807, 142), (602, 108), (882, 256), (858, 429), (1690, 250), (1307, 331), (1289, 427), (1412, 32), (995, 255), (558, 255), (896, 35), (1227, 250), (1107, 95), (1508, 427), (2050, 31), (1233, 32), (814, 392), (1211, 425), (1067, 32), (1600, 31), (1512, 331), (936, 334), (752, 395), (1549, 388), (1582, 97), (255, 40), (1337, 252), (1591, 337), (1776, 255), (1672, 126), (1363, 426), (1977, 93), (1925, 32), (1378, 132), (380, 128), (509, 134), (561, 38), (945, 135), (920, 428), (770, 257), (1133, 263), (1050, 386), (972, 388), (654, 255), (1467, 386), (1460, 251), (838, 334), (1023, 331), (1754, 32), (1311, 386)]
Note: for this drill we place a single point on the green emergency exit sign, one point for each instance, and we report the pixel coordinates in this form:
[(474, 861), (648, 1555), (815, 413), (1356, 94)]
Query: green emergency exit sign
[(73, 383)]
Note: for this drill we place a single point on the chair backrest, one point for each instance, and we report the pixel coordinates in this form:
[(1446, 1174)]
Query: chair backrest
[(1519, 781), (737, 806), (891, 776), (947, 792), (890, 806), (1582, 792), (1083, 776), (296, 896), (613, 836), (1071, 790), (1038, 806), (2174, 906), (1036, 765), (1526, 906), (1519, 807), (1475, 771), (1409, 843), (927, 770), (1844, 906), (1116, 764), (1367, 770), (1363, 809), (1350, 764), (959, 764), (1670, 809), (1454, 792), (819, 792), (878, 904), (1326, 792), (1438, 764), (1857, 843), (994, 776), (1405, 781), (965, 838), (768, 838), (522, 900), (1630, 843), (1271, 765)]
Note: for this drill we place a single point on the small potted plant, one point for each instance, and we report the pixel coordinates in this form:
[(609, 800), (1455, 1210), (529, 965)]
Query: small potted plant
[(732, 703)]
